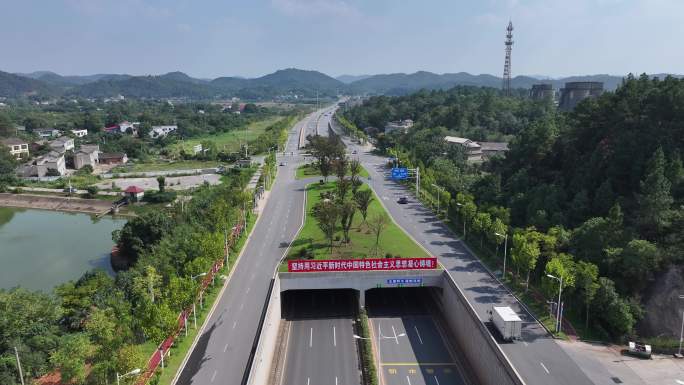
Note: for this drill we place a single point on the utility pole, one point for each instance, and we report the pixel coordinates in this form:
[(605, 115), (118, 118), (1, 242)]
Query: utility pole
[(418, 182), (21, 373)]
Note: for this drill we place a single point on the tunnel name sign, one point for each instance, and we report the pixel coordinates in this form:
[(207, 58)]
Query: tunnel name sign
[(379, 264)]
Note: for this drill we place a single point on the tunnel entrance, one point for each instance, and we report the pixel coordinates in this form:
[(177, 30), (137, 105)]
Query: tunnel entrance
[(319, 304), (398, 301)]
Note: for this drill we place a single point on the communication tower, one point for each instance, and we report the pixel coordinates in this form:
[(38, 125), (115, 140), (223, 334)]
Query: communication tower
[(507, 62)]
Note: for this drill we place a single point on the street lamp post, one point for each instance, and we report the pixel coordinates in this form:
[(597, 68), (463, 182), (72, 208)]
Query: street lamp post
[(681, 333), (131, 373), (558, 306), (463, 219), (439, 189), (505, 249)]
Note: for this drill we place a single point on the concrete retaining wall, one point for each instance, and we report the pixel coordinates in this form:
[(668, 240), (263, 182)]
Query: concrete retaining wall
[(263, 358), (483, 353), (359, 280)]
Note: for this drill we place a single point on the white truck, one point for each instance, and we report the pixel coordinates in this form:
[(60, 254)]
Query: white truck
[(506, 322)]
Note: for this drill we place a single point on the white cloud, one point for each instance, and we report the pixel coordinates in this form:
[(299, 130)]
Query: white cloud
[(312, 8)]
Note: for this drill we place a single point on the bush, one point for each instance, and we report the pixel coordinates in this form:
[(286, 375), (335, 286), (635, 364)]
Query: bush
[(92, 191), (85, 170), (305, 253), (159, 197), (17, 190)]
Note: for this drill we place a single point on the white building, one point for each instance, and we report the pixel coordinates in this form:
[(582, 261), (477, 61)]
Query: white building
[(42, 165), (161, 131), (80, 133), (17, 147), (126, 127), (401, 126)]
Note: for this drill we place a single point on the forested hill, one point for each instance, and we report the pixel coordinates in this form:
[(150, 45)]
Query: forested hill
[(602, 186), (287, 83)]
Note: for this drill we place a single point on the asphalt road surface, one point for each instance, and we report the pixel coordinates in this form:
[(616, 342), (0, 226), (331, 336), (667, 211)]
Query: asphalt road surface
[(222, 351), (411, 348), (321, 348), (538, 359)]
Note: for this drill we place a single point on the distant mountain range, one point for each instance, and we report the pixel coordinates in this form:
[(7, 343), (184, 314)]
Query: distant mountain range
[(283, 83)]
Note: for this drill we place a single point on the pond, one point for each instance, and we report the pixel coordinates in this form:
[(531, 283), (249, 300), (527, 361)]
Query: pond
[(41, 249)]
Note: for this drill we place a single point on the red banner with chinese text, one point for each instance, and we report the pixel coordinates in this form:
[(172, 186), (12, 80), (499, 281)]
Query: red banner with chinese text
[(309, 266)]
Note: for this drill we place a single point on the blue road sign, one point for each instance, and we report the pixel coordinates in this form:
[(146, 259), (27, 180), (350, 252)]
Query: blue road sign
[(405, 281), (399, 173)]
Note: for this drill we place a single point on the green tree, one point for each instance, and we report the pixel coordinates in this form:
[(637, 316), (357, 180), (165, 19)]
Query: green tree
[(468, 211), (612, 311), (148, 284), (70, 357), (655, 198), (363, 199), (586, 276), (128, 358), (354, 171), (6, 125), (561, 266), (327, 214), (525, 252), (378, 224), (7, 166), (497, 232), (482, 224), (161, 182), (347, 210), (640, 260)]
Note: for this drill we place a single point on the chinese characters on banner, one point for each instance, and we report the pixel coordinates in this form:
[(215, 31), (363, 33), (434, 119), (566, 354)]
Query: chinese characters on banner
[(304, 266)]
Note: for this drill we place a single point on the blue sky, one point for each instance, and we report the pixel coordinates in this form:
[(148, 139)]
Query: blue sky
[(210, 38)]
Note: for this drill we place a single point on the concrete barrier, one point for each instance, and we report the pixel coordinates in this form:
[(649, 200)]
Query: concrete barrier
[(260, 369), (488, 361)]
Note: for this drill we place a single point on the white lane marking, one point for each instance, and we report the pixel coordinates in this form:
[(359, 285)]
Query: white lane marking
[(418, 334), (213, 376), (408, 380), (544, 366), (334, 337), (247, 291), (225, 348), (436, 380), (308, 381), (242, 305), (311, 338), (525, 343), (395, 335), (335, 380), (234, 324)]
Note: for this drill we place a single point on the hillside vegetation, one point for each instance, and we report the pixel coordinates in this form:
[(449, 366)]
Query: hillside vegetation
[(594, 196)]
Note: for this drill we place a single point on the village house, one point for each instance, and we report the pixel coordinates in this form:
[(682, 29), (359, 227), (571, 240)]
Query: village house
[(401, 126), (87, 155), (79, 133), (62, 144), (472, 149), (490, 149), (17, 147), (47, 132), (113, 158), (161, 131), (43, 165)]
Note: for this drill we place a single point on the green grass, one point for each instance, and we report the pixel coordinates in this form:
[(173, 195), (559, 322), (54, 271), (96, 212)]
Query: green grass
[(182, 345), (393, 240), (309, 171), (228, 141)]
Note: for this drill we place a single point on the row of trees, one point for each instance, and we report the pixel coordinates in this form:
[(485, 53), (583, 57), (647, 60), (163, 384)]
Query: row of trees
[(336, 209), (91, 328)]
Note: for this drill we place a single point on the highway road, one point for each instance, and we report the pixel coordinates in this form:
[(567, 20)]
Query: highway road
[(321, 348), (223, 349), (411, 347), (538, 358)]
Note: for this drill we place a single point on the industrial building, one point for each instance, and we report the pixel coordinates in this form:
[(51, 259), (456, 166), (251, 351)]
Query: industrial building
[(542, 92), (575, 92)]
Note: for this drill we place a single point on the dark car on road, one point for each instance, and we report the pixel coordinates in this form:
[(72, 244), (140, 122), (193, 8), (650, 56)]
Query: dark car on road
[(403, 200)]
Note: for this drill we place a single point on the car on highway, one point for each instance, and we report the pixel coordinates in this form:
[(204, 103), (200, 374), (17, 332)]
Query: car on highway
[(354, 152), (283, 163), (403, 200)]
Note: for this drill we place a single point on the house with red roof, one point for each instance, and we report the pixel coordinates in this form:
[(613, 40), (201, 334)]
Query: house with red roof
[(134, 193)]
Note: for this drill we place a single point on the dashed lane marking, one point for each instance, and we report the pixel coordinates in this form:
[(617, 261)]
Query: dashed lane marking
[(213, 376), (544, 366)]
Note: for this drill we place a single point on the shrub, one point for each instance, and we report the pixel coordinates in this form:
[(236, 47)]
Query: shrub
[(92, 191), (159, 197)]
